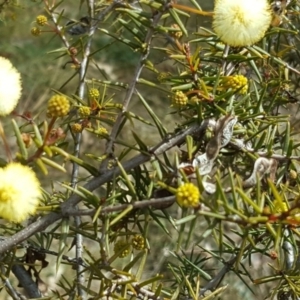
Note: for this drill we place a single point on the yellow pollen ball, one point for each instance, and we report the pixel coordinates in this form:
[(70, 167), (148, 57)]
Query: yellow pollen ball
[(35, 31), (236, 82), (138, 242), (58, 106), (41, 20), (94, 93), (76, 128), (179, 99), (102, 131), (84, 111), (188, 195), (122, 247), (280, 206)]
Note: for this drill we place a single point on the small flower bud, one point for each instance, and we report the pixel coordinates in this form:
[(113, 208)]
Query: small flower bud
[(35, 31), (76, 128), (26, 137), (176, 34), (73, 51)]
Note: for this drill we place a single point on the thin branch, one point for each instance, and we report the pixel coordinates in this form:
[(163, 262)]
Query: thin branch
[(75, 170), (77, 141), (26, 281), (151, 203), (69, 259), (132, 87), (140, 292), (214, 282)]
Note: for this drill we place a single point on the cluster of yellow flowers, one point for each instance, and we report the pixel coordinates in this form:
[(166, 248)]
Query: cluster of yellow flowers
[(94, 93), (35, 31), (76, 127), (138, 242), (40, 20), (179, 99), (188, 195), (84, 111), (280, 206), (236, 82), (102, 131), (161, 77), (58, 106), (122, 247)]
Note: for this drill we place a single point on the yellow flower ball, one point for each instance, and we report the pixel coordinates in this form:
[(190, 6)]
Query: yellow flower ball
[(162, 77), (236, 82), (84, 111), (102, 131), (94, 93), (138, 242), (41, 20), (35, 31), (188, 195), (58, 106), (123, 247), (10, 87), (20, 192), (280, 206), (76, 128), (241, 22), (179, 99)]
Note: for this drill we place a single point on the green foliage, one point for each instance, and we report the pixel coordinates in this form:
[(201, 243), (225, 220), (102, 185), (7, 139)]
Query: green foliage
[(155, 103)]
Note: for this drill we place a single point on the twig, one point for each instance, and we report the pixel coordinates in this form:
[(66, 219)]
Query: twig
[(77, 140), (151, 203), (213, 283), (26, 281), (131, 89), (64, 257), (140, 292)]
